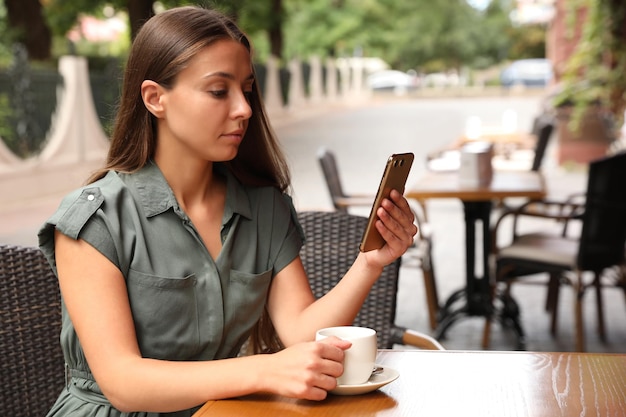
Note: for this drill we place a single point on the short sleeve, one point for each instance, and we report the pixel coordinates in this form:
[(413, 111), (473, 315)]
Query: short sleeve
[(79, 217), (294, 237)]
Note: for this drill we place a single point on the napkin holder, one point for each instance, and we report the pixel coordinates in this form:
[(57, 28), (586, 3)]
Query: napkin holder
[(475, 166)]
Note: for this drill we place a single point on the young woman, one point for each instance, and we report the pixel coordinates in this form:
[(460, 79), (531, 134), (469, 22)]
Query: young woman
[(169, 258)]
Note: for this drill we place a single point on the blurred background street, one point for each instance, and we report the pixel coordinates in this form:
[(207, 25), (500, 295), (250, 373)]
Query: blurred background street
[(362, 135)]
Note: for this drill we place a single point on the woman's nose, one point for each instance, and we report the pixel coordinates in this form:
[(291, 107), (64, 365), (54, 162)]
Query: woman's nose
[(242, 108)]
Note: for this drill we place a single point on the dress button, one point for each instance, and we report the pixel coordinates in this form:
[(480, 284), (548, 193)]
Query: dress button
[(90, 197)]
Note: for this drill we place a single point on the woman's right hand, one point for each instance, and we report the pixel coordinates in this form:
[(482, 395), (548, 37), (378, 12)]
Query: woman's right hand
[(305, 370)]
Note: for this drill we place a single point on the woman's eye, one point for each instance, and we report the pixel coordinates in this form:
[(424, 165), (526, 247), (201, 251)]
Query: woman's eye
[(248, 95), (218, 93)]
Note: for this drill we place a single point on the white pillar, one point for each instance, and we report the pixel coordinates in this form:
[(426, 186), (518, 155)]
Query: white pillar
[(77, 134), (272, 96), (77, 145), (331, 79), (316, 82), (356, 64), (297, 97), (344, 76)]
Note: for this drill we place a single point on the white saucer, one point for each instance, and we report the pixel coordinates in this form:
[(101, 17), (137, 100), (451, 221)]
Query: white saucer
[(376, 381)]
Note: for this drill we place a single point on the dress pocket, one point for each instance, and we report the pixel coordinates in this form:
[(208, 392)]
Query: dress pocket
[(246, 300), (165, 313), (247, 288)]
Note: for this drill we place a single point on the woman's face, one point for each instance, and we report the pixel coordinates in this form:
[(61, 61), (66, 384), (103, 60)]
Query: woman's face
[(205, 115)]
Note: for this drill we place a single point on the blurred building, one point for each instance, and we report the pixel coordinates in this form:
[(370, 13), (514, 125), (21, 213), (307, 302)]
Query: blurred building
[(563, 36)]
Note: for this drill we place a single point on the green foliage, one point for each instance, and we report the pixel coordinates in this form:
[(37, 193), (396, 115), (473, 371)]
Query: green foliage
[(420, 34), (527, 41), (594, 74), (62, 14), (6, 38)]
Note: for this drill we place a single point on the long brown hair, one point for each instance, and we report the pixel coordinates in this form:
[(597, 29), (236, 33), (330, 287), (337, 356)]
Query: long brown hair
[(161, 50)]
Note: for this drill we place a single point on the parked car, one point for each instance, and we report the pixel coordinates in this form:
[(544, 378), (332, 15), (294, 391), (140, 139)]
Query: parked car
[(535, 72), (392, 80)]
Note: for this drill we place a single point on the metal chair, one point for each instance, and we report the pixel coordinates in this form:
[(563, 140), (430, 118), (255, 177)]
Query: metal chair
[(542, 129), (599, 247), (32, 366), (421, 251), (340, 199), (332, 244)]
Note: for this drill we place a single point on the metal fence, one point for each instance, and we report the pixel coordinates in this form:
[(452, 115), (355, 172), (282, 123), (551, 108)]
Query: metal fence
[(29, 97)]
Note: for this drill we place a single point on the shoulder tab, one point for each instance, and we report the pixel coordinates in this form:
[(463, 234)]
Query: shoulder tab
[(81, 210)]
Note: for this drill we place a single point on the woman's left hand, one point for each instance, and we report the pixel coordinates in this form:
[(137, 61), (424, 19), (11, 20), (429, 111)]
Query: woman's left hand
[(396, 224)]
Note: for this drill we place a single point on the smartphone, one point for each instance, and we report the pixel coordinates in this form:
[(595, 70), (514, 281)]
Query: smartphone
[(394, 177)]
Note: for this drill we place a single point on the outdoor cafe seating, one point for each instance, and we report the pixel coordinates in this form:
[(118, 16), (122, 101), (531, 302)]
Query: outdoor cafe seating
[(595, 246)]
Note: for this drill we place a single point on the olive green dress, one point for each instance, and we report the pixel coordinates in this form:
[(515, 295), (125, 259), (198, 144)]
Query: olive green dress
[(185, 304)]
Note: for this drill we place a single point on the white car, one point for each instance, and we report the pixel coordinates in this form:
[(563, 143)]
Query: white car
[(528, 72), (392, 80)]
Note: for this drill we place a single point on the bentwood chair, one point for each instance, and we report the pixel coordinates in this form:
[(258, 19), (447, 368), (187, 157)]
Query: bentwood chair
[(542, 129), (421, 252), (543, 126), (597, 251), (32, 365), (340, 199), (331, 245)]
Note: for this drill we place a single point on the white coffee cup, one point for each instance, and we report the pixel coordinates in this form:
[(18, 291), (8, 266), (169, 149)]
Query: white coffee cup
[(360, 358)]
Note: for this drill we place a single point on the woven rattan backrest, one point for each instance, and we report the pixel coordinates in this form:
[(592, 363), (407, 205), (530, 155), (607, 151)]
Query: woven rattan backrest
[(332, 244), (31, 364)]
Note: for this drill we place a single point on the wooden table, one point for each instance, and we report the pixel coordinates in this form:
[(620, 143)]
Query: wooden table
[(458, 383), (475, 298)]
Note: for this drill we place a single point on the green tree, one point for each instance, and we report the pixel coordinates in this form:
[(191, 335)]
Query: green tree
[(420, 34), (63, 15), (496, 30), (27, 25), (528, 41), (256, 17), (253, 15), (339, 28)]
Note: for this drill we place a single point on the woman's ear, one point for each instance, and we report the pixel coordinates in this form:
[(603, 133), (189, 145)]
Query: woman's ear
[(152, 95)]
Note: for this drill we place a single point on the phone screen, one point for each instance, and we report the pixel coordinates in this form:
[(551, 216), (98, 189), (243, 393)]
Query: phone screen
[(394, 177)]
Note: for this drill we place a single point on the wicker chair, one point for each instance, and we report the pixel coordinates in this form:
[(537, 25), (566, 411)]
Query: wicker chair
[(421, 252), (32, 367), (332, 244)]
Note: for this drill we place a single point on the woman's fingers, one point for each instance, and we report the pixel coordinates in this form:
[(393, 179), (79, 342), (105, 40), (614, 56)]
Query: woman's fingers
[(398, 220), (309, 370)]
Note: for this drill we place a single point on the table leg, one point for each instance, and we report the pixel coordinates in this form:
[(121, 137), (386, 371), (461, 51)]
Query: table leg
[(475, 298)]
